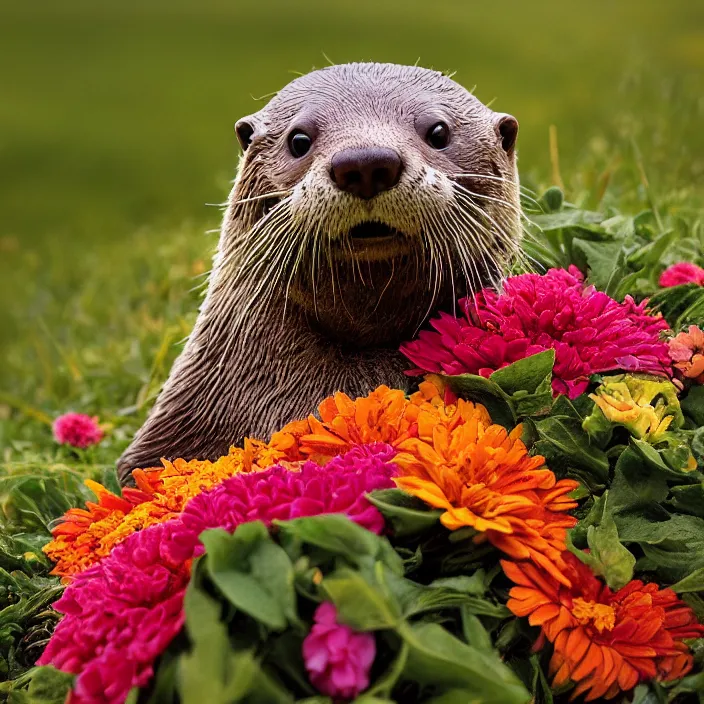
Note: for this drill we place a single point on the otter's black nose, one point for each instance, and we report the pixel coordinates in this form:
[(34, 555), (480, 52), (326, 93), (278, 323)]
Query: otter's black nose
[(366, 172)]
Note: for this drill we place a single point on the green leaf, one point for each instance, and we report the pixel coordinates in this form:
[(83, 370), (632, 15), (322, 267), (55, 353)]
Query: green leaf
[(636, 481), (204, 672), (439, 659), (566, 218), (608, 558), (489, 394), (573, 446), (688, 499), (692, 684), (606, 262), (253, 573), (645, 694), (463, 591), (455, 696), (693, 582), (697, 446), (408, 515), (693, 403), (641, 477), (361, 604), (165, 682), (47, 685), (673, 548), (527, 384), (680, 305), (340, 536), (476, 583), (474, 632), (212, 671), (526, 375)]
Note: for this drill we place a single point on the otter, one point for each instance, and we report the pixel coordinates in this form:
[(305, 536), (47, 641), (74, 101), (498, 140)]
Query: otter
[(367, 197)]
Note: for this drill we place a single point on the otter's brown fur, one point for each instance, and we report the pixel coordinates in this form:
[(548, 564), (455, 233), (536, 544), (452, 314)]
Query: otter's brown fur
[(298, 305)]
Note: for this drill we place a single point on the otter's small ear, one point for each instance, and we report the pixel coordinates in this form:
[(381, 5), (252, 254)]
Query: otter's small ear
[(507, 130), (244, 129)]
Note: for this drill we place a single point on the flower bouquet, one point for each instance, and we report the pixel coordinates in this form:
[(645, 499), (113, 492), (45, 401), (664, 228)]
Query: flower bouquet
[(527, 526)]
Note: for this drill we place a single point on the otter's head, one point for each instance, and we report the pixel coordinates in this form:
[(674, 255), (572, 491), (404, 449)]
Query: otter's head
[(370, 194)]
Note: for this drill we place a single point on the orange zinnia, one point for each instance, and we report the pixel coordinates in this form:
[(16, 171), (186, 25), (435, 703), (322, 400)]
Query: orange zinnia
[(605, 642), (84, 536), (385, 415), (484, 478)]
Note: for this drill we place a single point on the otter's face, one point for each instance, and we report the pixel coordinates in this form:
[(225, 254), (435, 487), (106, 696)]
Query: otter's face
[(397, 168)]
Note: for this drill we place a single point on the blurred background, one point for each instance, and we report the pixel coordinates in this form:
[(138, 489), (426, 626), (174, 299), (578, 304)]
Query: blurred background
[(116, 139)]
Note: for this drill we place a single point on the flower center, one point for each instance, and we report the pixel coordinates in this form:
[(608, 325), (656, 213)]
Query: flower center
[(601, 616)]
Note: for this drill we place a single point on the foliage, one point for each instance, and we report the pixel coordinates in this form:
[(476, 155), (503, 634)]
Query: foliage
[(245, 628)]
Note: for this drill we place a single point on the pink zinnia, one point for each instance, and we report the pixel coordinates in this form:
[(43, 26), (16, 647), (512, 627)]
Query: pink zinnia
[(119, 616), (337, 658), (122, 613), (77, 430), (589, 331), (682, 273)]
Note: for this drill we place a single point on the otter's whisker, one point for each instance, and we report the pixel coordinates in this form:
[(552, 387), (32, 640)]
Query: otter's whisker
[(466, 199), (494, 199), (526, 192), (272, 194)]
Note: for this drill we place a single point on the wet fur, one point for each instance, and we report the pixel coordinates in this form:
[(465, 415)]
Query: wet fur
[(295, 309)]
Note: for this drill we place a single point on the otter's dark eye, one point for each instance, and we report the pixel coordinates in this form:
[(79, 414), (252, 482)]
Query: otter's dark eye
[(438, 136), (299, 143)]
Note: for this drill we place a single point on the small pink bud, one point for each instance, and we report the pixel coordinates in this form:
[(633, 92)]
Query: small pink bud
[(337, 658), (77, 430)]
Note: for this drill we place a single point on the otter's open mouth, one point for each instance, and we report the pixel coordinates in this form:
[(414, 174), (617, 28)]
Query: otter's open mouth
[(375, 241), (373, 231)]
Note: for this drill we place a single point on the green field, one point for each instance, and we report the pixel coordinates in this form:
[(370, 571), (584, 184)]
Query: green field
[(116, 132)]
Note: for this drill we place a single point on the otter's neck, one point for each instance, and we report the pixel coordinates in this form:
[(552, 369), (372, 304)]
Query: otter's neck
[(248, 370)]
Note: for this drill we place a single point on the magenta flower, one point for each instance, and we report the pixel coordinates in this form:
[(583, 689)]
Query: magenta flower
[(122, 613), (119, 616), (589, 331), (682, 273), (77, 430), (337, 658)]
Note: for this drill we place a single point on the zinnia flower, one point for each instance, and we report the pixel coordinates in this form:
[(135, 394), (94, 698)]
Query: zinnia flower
[(483, 477), (589, 331), (385, 415), (119, 616), (605, 642), (687, 353), (121, 613), (85, 536), (279, 493), (337, 658), (682, 273), (77, 430)]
